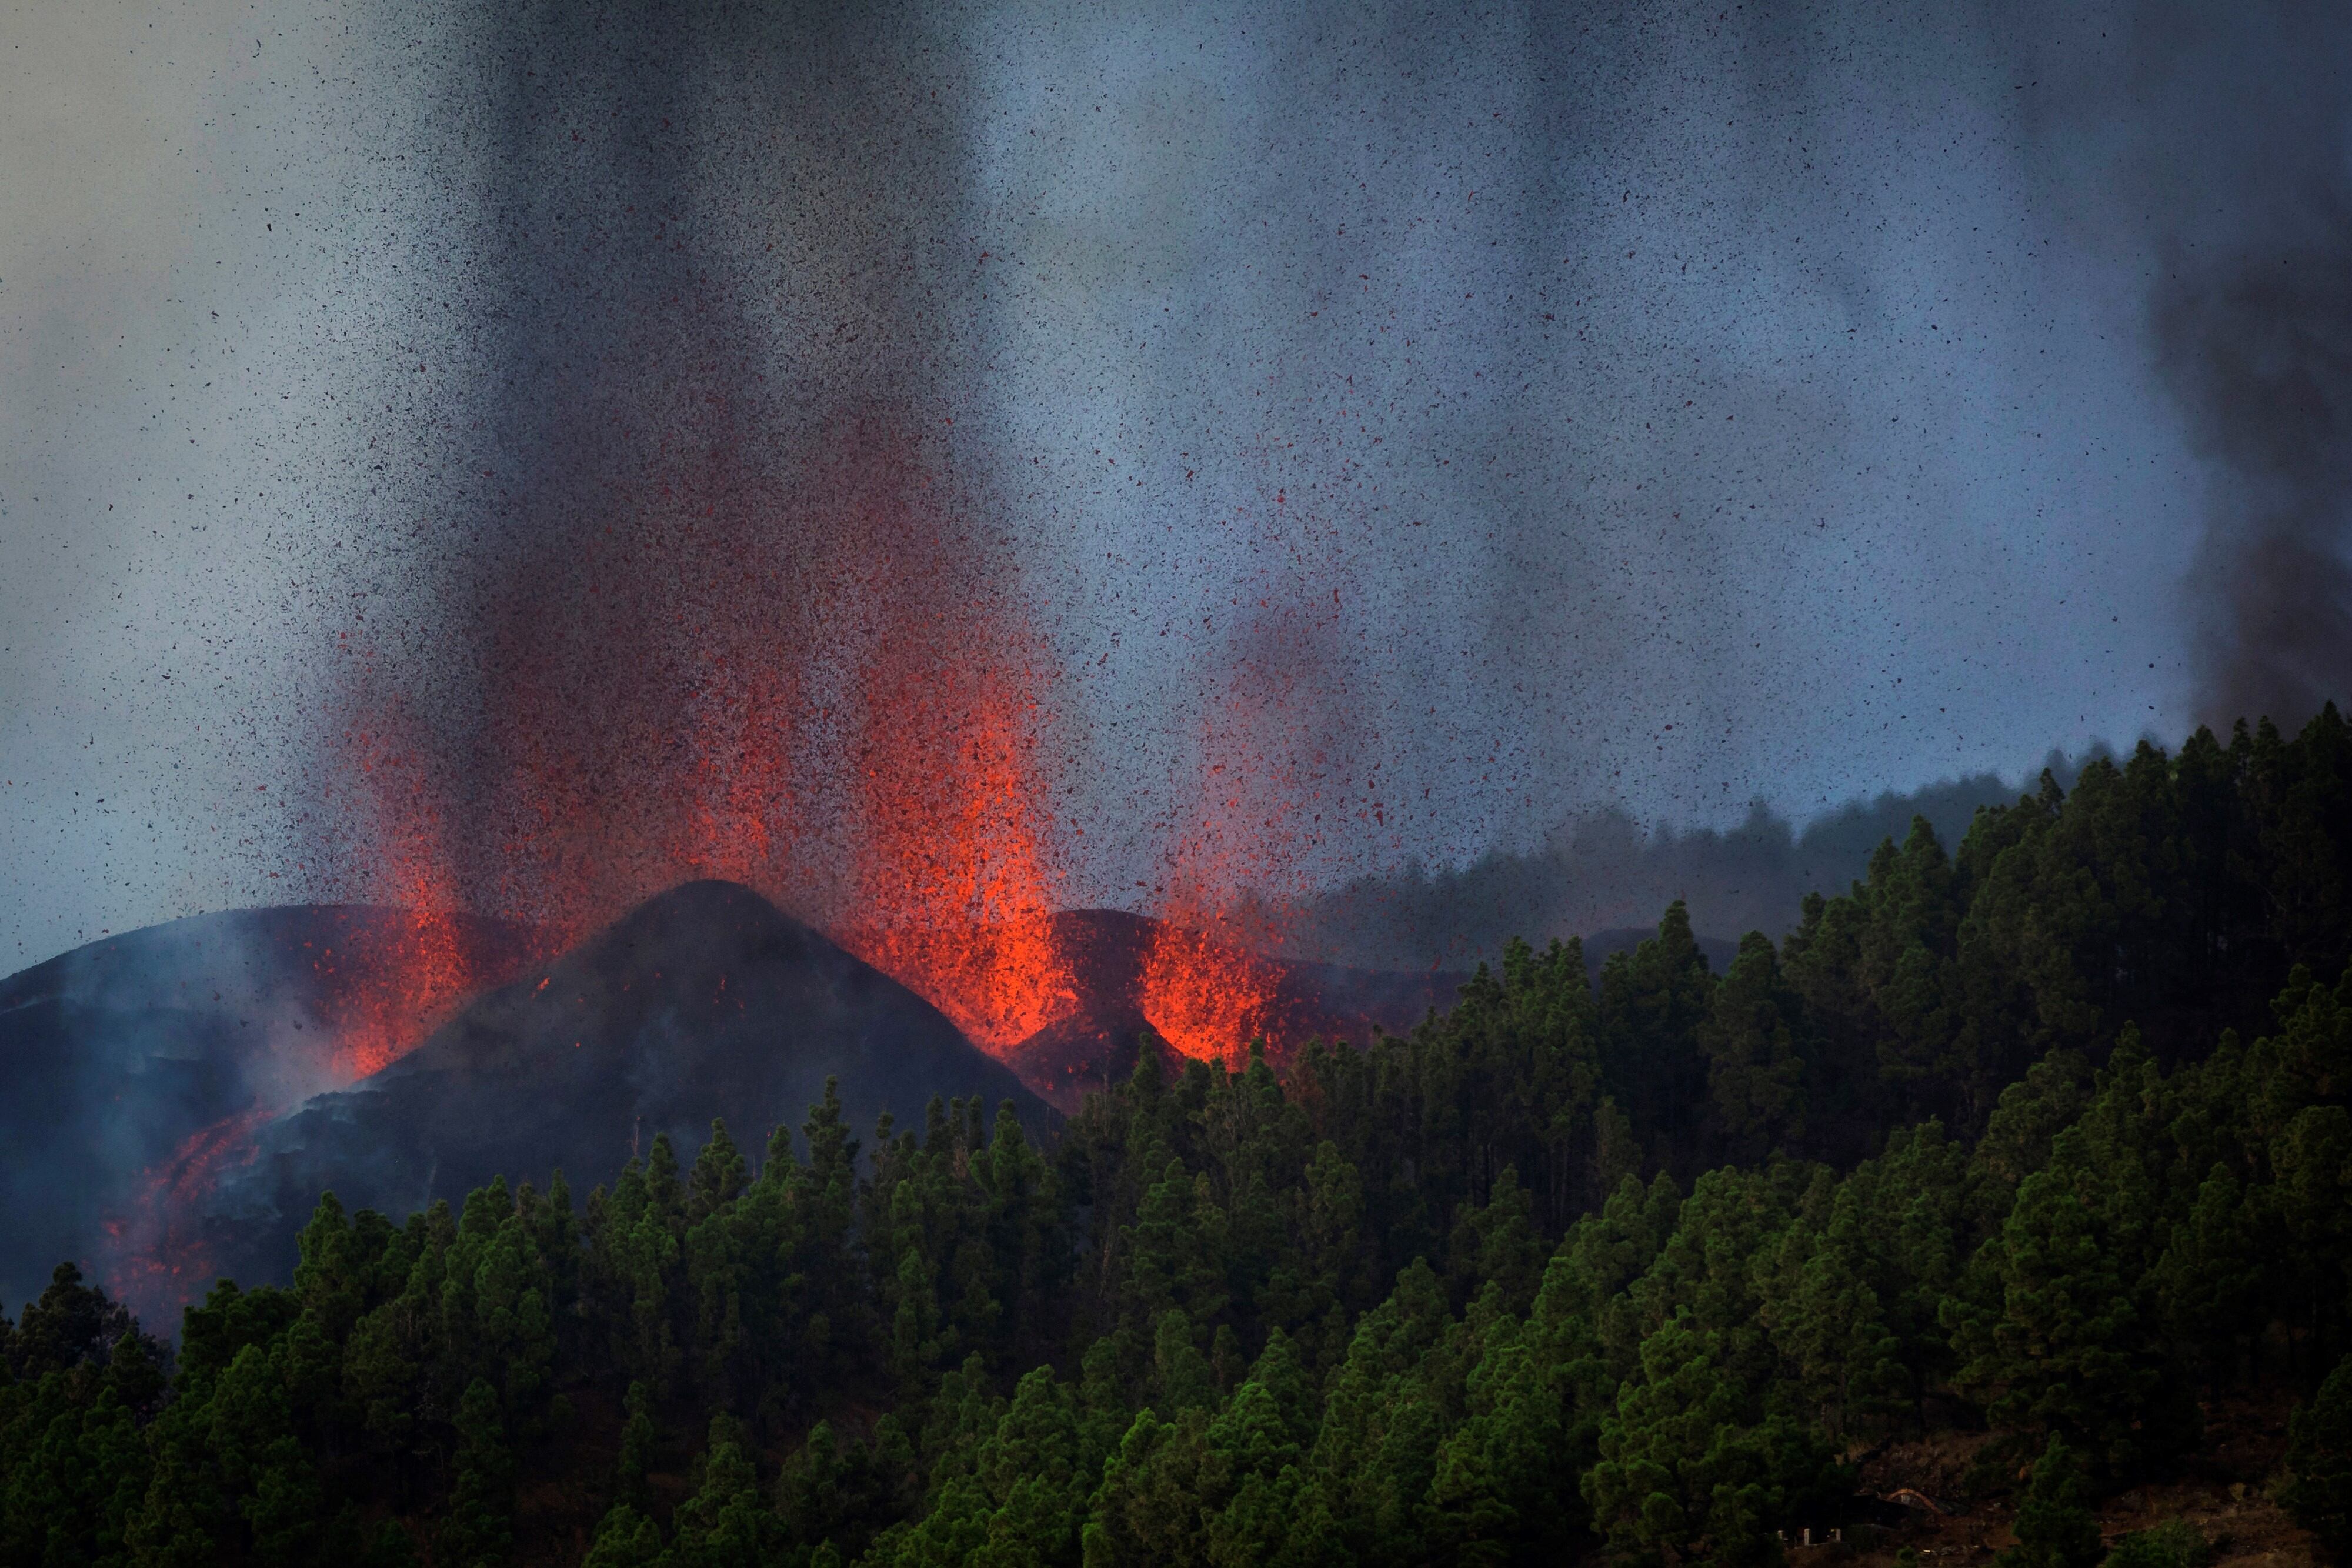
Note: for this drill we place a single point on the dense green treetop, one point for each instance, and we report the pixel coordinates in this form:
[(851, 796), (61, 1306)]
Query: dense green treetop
[(2047, 1134)]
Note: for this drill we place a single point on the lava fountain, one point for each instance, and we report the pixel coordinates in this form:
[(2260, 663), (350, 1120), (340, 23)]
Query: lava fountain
[(822, 690), (1271, 782)]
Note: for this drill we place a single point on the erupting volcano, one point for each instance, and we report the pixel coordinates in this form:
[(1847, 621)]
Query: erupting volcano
[(805, 664), (696, 577), (827, 692)]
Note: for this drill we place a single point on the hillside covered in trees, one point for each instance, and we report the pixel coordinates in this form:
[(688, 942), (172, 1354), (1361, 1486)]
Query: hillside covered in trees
[(2044, 1139)]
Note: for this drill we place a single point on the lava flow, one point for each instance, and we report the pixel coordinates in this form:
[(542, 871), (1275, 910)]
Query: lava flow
[(155, 1254), (358, 986)]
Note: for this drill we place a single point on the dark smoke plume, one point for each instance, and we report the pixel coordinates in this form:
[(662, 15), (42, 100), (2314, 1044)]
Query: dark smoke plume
[(2260, 358), (2241, 176)]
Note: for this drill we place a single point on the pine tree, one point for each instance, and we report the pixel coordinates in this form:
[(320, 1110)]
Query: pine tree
[(1693, 1464), (2309, 1206), (1826, 1321), (1654, 1001), (2319, 1462), (2210, 1279), (725, 1523), (2066, 1348), (638, 1439), (1506, 1480), (1496, 1242), (625, 1539), (1755, 1048), (2056, 1527), (480, 1526)]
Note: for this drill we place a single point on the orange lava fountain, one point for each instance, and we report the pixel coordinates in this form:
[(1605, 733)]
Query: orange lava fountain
[(952, 848), (1268, 778), (822, 690), (1204, 998), (826, 688), (398, 993), (954, 863)]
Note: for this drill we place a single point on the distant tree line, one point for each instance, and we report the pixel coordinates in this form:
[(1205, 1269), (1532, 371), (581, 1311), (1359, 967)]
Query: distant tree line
[(2049, 1138)]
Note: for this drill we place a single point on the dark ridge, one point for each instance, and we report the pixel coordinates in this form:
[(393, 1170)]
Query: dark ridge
[(117, 1054), (1096, 1044), (704, 1002), (1603, 869)]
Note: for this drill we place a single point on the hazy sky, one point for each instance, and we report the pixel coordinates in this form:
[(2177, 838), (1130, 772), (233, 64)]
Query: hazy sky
[(1667, 412)]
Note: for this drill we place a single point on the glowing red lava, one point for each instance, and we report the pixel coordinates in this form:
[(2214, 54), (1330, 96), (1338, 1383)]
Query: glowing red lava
[(1245, 845), (830, 691), (1206, 999), (825, 691), (953, 871), (156, 1256), (394, 995)]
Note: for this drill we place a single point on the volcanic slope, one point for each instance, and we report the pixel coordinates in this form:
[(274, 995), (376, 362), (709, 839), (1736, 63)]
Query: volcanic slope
[(126, 1063), (1108, 951), (704, 1002)]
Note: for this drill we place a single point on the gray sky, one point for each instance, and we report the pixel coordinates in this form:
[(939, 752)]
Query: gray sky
[(1664, 414)]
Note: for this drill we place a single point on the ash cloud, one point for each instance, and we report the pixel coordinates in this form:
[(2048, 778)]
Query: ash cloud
[(1669, 392), (677, 442), (2233, 129), (1667, 406), (2260, 351), (1554, 374)]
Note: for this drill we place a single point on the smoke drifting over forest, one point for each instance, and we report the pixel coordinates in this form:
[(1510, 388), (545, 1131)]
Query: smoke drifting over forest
[(1603, 872), (2246, 183), (933, 463)]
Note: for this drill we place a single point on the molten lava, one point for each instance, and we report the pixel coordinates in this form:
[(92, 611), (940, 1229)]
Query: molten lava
[(825, 691), (394, 995), (1243, 845), (953, 869), (156, 1256), (829, 690), (1205, 998), (404, 990)]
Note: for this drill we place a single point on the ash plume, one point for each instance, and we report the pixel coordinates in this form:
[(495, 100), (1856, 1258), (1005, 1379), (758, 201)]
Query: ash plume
[(2260, 354), (2242, 186), (685, 488), (784, 347)]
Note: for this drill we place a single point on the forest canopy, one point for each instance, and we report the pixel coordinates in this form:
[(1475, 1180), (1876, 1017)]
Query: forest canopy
[(2045, 1138)]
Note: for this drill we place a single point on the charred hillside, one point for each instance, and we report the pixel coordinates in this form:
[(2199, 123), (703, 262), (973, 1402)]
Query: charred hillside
[(1112, 958), (704, 1003), (126, 1060)]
